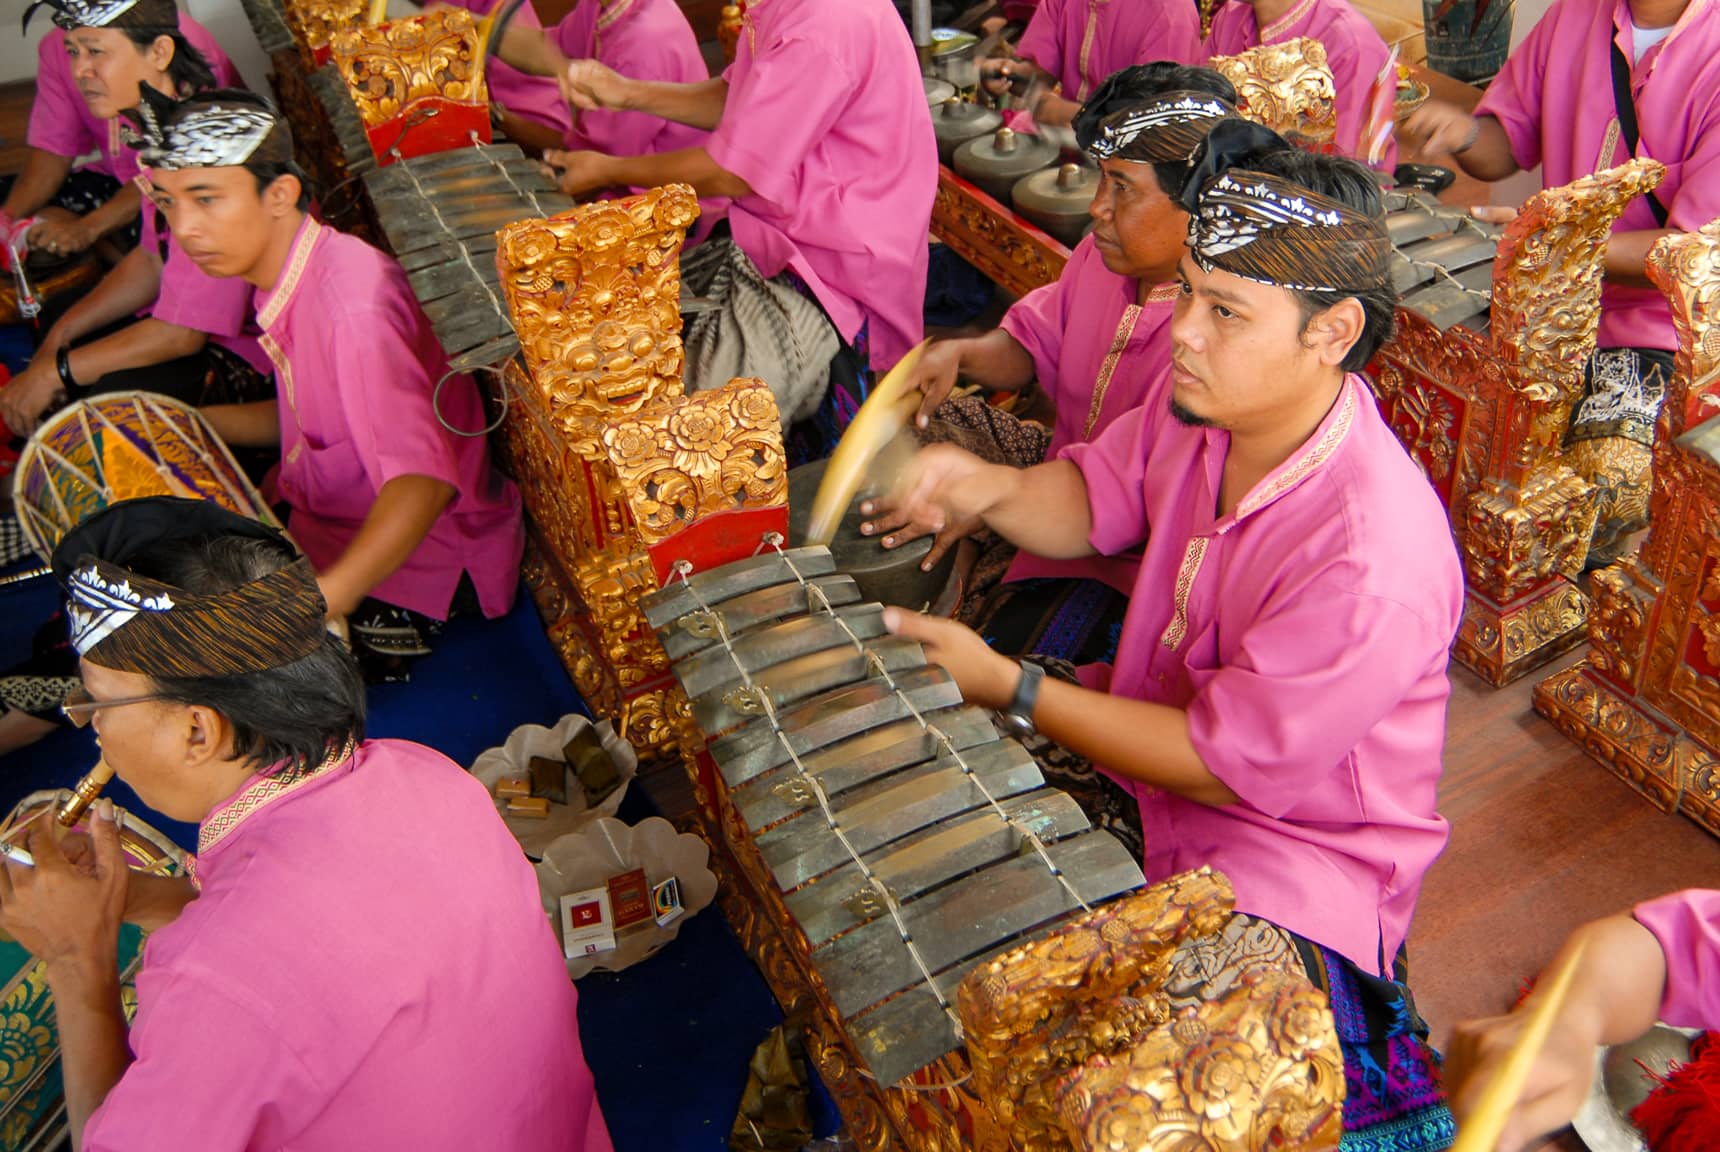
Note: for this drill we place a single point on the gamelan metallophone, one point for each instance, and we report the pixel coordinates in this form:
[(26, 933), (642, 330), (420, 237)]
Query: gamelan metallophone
[(1442, 260), (439, 215), (908, 839)]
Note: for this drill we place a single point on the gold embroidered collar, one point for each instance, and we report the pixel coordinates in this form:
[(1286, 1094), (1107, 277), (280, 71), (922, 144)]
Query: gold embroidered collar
[(259, 794), (291, 273)]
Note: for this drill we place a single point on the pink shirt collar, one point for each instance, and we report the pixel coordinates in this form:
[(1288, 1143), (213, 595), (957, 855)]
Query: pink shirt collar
[(1622, 23), (1290, 475), (260, 792), (272, 303)]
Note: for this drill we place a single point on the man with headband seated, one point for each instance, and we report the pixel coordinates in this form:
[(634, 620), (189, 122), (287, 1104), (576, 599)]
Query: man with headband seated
[(1277, 706), (390, 486), (359, 958), (1097, 342)]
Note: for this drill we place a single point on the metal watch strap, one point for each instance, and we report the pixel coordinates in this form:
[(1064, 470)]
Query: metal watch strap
[(1026, 696)]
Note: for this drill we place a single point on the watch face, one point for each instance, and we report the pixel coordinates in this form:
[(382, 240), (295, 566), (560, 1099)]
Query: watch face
[(1017, 726)]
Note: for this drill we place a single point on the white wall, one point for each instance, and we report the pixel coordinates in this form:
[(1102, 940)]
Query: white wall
[(222, 17)]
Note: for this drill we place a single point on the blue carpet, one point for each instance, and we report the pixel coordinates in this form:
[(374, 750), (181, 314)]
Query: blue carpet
[(668, 1040)]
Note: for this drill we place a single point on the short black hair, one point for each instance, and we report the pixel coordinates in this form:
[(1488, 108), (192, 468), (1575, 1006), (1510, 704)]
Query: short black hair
[(189, 70), (1141, 82), (1356, 187), (267, 173), (294, 715)]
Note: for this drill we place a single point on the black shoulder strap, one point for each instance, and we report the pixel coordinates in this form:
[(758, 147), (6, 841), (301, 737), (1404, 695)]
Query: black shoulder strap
[(1627, 124)]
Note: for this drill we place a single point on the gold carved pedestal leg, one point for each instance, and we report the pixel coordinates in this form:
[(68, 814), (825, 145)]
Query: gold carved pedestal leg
[(1485, 415)]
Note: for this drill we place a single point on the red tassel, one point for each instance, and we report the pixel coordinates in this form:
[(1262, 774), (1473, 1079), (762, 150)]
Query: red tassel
[(1682, 1114)]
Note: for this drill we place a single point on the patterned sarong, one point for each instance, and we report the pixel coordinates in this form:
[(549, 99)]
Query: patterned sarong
[(774, 329), (1611, 439)]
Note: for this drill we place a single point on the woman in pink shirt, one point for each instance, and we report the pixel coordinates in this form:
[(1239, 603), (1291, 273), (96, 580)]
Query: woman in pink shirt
[(85, 69), (1277, 706), (1097, 342), (1076, 44), (154, 322), (1595, 83), (391, 490), (1354, 51), (1660, 963)]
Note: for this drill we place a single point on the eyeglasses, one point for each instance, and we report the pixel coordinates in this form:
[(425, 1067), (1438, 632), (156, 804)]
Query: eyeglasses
[(80, 706)]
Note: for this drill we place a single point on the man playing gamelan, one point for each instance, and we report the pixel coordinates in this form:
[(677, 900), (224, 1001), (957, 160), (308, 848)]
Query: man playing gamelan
[(1277, 706), (820, 140), (641, 39), (87, 69), (391, 490), (1596, 83), (358, 957), (1097, 342), (1354, 52), (1076, 44)]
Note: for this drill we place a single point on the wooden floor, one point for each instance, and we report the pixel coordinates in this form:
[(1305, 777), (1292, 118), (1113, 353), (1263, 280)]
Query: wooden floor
[(1543, 839)]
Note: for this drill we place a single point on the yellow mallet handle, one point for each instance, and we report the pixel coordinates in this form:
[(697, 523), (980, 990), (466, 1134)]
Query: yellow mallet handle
[(1481, 1131), (884, 414)]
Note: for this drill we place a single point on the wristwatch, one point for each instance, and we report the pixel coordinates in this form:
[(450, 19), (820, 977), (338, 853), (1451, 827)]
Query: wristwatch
[(1018, 717)]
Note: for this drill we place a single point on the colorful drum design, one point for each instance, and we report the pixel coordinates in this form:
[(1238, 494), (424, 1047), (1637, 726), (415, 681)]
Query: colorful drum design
[(32, 1098), (122, 446)]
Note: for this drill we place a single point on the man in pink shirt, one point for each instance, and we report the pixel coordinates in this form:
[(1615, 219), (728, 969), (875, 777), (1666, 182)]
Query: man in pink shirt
[(1076, 44), (820, 140), (1660, 963), (391, 490), (1277, 705), (642, 39), (1354, 51), (318, 980), (75, 209), (1595, 83), (528, 107), (1097, 342)]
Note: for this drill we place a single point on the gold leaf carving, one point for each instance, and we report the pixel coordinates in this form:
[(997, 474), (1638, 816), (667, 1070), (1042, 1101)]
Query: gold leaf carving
[(1287, 87), (388, 67)]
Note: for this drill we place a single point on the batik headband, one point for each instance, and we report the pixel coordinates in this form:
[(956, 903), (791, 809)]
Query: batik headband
[(145, 15), (1164, 130), (220, 129), (132, 623), (1271, 230)]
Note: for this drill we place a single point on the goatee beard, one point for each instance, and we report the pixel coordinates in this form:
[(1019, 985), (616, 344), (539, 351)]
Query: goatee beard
[(1190, 419)]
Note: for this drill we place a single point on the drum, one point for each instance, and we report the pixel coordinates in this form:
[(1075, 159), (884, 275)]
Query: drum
[(106, 449), (32, 1098)]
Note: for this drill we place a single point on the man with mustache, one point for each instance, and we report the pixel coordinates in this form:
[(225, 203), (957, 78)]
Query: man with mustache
[(1097, 342), (1277, 706)]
